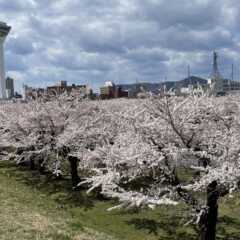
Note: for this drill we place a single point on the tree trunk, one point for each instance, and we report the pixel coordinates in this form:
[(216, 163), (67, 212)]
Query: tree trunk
[(32, 164), (74, 170), (209, 221), (41, 168)]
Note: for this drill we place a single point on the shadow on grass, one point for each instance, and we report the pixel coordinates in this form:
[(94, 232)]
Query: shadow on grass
[(226, 220), (225, 228), (58, 189), (169, 228)]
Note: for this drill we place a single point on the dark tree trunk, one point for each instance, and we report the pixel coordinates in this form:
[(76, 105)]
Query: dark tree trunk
[(32, 164), (204, 162), (74, 170), (209, 221), (41, 169)]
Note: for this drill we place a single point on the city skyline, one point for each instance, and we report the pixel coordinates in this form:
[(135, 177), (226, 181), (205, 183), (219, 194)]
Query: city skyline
[(91, 42)]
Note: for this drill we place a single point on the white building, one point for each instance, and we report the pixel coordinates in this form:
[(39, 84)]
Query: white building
[(4, 30)]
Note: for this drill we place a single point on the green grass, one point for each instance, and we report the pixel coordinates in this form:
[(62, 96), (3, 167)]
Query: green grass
[(34, 206)]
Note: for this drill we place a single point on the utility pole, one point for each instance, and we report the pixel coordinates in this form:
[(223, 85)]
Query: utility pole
[(231, 83), (189, 75), (188, 71)]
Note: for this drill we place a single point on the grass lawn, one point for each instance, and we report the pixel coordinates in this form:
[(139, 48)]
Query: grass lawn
[(32, 206)]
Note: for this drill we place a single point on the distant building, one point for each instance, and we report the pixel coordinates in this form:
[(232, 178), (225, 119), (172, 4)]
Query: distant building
[(63, 83), (77, 90), (230, 85), (82, 91), (17, 95), (31, 93), (110, 90), (191, 90), (186, 90), (137, 90), (9, 88), (120, 93)]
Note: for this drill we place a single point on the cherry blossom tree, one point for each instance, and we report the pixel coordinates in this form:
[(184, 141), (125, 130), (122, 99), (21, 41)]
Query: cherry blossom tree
[(132, 149)]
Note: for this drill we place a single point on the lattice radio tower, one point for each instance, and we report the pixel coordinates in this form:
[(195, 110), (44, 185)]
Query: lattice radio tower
[(215, 72), (216, 79)]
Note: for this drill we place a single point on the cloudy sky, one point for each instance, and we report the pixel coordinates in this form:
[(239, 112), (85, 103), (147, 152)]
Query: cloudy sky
[(91, 41)]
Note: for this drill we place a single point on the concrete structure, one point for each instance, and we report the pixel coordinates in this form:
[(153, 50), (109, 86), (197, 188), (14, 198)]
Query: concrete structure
[(192, 90), (110, 90), (186, 90), (9, 88), (63, 83), (76, 90), (4, 30)]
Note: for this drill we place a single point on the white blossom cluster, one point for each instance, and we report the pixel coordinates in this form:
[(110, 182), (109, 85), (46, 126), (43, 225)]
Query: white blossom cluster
[(130, 150)]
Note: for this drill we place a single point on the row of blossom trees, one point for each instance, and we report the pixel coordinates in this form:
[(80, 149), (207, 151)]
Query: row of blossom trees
[(132, 149)]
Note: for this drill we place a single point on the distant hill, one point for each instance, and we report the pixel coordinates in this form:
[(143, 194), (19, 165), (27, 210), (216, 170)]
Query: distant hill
[(192, 80), (153, 87)]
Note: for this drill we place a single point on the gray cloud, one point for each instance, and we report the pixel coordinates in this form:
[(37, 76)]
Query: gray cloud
[(190, 14), (20, 46), (93, 41)]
